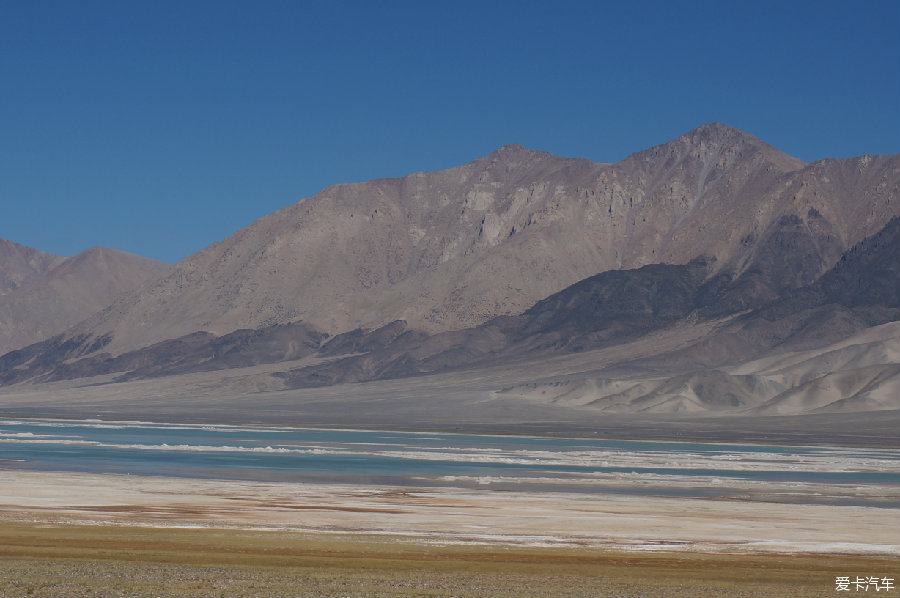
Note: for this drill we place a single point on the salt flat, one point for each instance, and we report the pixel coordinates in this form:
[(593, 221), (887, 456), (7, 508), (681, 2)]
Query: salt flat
[(450, 515)]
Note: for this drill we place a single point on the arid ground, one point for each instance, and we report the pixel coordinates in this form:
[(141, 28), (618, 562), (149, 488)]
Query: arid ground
[(71, 534), (64, 560)]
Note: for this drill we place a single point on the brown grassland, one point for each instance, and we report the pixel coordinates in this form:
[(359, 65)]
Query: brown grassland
[(66, 560)]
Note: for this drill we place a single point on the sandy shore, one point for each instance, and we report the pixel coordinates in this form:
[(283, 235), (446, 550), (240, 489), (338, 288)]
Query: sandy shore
[(447, 516)]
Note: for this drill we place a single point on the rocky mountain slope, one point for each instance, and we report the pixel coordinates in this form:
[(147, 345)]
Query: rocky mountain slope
[(860, 291), (452, 249), (42, 294), (860, 373), (520, 259), (830, 347)]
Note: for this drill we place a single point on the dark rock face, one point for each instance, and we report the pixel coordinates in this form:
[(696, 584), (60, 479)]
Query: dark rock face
[(359, 341), (793, 253), (57, 359), (42, 358), (639, 299), (868, 274), (861, 290), (605, 309)]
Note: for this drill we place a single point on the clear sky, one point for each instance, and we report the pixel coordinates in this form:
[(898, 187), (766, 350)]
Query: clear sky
[(159, 127)]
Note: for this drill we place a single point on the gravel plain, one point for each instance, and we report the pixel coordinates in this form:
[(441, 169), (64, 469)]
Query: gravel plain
[(72, 561)]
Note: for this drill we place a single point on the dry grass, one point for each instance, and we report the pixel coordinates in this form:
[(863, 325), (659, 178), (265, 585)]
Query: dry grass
[(85, 560)]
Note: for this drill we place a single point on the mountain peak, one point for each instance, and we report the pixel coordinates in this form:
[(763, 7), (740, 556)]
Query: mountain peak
[(99, 254), (715, 140), (724, 135), (719, 129), (18, 263), (43, 294), (10, 248), (514, 152)]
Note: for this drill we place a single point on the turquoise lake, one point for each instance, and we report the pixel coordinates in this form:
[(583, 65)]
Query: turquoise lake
[(461, 460)]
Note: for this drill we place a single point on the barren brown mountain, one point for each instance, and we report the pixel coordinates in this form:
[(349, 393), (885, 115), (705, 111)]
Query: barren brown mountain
[(671, 283), (451, 249), (42, 294)]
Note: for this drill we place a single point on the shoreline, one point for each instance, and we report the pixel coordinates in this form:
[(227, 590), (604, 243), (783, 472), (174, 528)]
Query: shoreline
[(487, 430), (450, 515), (439, 403), (68, 534)]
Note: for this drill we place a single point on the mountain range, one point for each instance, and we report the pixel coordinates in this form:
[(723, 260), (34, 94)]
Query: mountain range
[(42, 295), (711, 275)]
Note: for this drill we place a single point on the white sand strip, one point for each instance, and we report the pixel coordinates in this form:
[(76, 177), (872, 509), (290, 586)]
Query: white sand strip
[(450, 515)]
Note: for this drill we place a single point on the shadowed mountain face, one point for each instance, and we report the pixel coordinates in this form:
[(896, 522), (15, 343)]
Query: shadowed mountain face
[(521, 256), (192, 353), (862, 290), (42, 294)]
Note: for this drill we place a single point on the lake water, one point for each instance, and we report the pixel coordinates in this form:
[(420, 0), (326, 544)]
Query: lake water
[(827, 475)]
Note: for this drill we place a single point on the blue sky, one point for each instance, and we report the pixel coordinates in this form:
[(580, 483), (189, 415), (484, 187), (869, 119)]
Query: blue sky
[(162, 127)]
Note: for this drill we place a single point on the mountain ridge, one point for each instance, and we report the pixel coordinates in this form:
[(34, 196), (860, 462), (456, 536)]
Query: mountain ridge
[(19, 263), (451, 249), (608, 309), (520, 255), (43, 294)]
